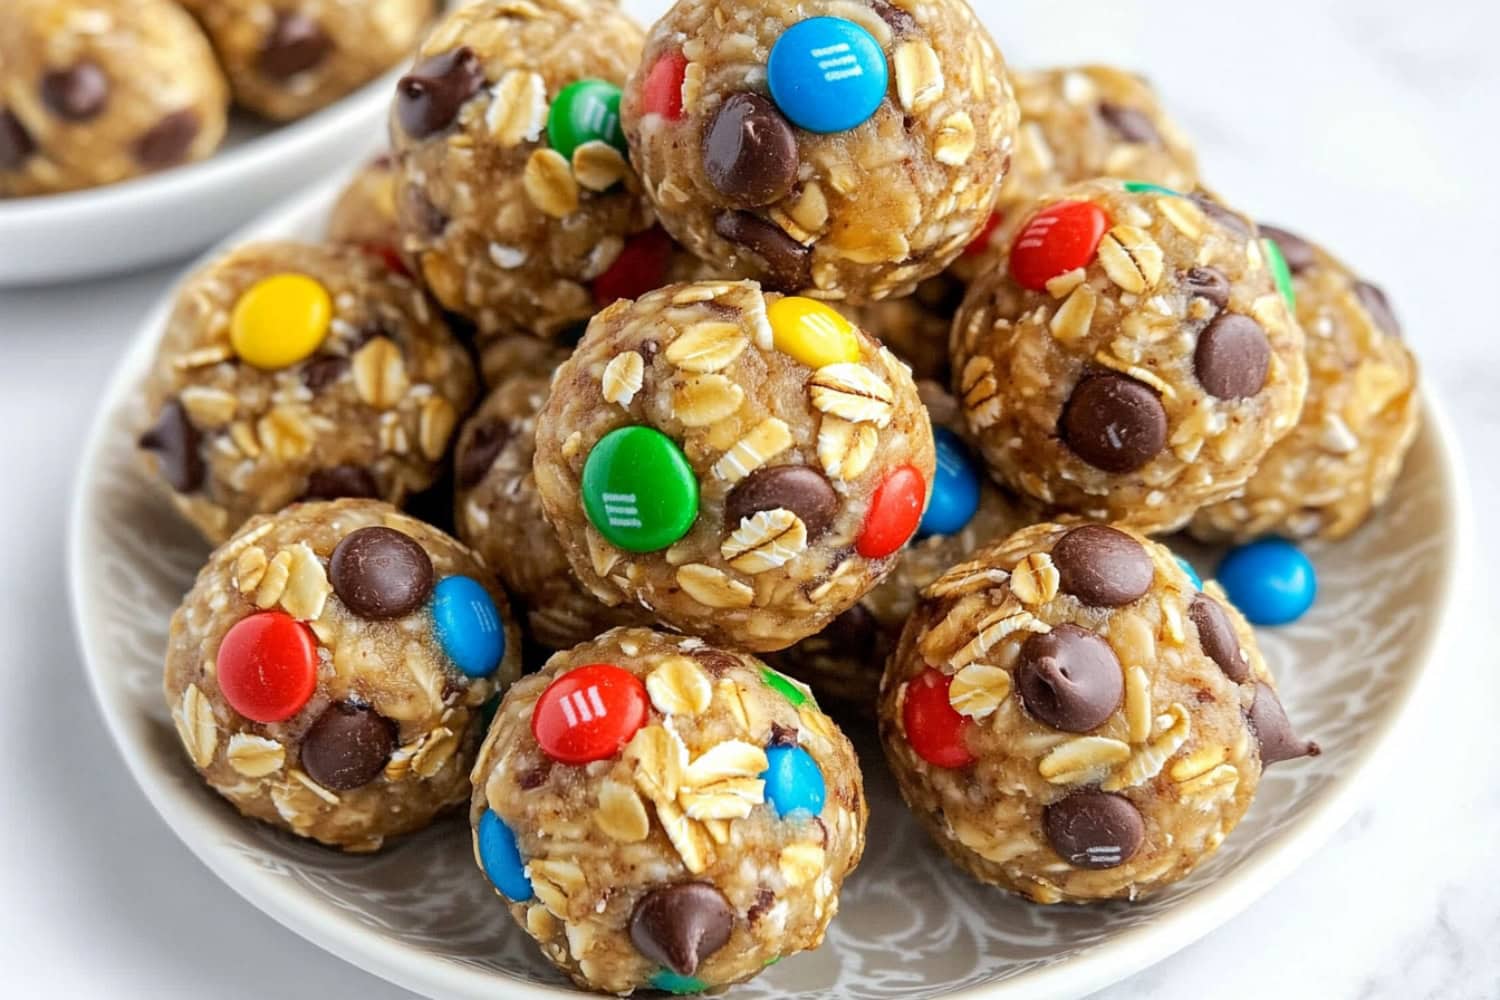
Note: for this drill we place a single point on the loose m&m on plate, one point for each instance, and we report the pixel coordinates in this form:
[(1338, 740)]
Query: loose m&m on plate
[(589, 713)]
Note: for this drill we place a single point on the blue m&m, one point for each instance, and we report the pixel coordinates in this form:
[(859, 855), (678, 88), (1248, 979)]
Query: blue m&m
[(468, 625), (794, 782), (827, 74), (501, 858), (955, 487), (1271, 581), (1192, 574), (678, 985)]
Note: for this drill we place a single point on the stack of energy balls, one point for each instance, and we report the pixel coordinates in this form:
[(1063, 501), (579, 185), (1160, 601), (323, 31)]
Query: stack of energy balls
[(823, 338)]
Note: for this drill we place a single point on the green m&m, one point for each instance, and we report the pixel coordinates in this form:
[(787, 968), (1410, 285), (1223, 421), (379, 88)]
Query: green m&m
[(1141, 187), (585, 111), (1276, 261), (638, 489)]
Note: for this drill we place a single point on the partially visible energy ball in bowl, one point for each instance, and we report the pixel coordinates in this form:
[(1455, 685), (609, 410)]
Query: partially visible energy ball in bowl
[(328, 668), (1073, 720), (1130, 354), (292, 371), (743, 465), (842, 150), (662, 814)]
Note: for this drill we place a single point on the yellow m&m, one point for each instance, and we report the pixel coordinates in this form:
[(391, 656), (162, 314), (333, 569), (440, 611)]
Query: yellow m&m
[(812, 332), (280, 320)]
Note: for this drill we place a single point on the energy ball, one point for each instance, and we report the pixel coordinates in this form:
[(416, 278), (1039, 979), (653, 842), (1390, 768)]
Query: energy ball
[(742, 465), (514, 194), (1130, 355), (98, 91), (327, 670), (499, 510), (1341, 460), (288, 58), (661, 814), (365, 213), (293, 372), (1073, 720), (838, 149)]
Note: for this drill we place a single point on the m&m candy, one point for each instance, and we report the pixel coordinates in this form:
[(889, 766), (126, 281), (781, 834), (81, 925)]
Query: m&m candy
[(1143, 187), (267, 666), (589, 713), (468, 625), (1271, 581), (280, 320), (811, 332), (794, 782), (793, 691), (585, 111), (1192, 573), (955, 487), (641, 267), (827, 74), (501, 858), (894, 512), (677, 984), (934, 730), (639, 491), (981, 241), (1060, 238), (661, 93), (1280, 271)]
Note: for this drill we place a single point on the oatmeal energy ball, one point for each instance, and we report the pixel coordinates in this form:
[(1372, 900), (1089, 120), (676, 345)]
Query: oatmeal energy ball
[(327, 670), (1341, 460), (514, 193), (840, 149), (98, 91), (293, 372), (1071, 719), (744, 466), (661, 814), (1130, 354)]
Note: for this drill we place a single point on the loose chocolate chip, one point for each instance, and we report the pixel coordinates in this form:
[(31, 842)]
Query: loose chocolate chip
[(348, 746), (1094, 829), (379, 572), (1215, 210), (1372, 297), (322, 371), (176, 443), (341, 481), (1131, 124), (797, 488), (681, 925), (77, 93), (16, 144), (750, 151), (1273, 730), (900, 21), (1114, 423), (1103, 567), (296, 44), (1216, 636), (1209, 283), (1233, 356), (785, 258), (854, 634), (1299, 253), (430, 96), (426, 217), (478, 453), (1069, 678), (167, 142)]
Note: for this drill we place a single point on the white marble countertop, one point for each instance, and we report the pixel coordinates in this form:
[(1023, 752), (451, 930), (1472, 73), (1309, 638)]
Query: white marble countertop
[(1368, 125)]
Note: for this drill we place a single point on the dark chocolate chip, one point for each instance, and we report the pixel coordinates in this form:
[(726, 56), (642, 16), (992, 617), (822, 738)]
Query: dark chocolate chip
[(423, 215), (77, 93), (167, 142), (479, 451), (750, 152), (535, 777), (295, 44), (176, 443), (1209, 283), (764, 898), (428, 98), (1372, 297), (1130, 124), (379, 572), (1233, 356), (1101, 566), (1216, 210), (797, 488), (348, 746), (1094, 829), (1114, 423), (1273, 730), (1299, 253), (787, 260), (339, 481), (1069, 678), (716, 661), (901, 23), (324, 370), (16, 144), (1216, 636), (782, 736), (681, 925)]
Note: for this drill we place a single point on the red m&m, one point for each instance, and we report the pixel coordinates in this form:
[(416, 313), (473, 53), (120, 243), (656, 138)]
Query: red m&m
[(589, 713), (640, 268), (981, 241), (661, 93), (268, 666), (934, 730), (895, 511), (1058, 239)]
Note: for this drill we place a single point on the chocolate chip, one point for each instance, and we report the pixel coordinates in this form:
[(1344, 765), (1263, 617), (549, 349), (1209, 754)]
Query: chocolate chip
[(479, 451), (1103, 567), (1094, 829), (295, 44), (750, 151), (426, 217), (681, 925), (797, 488), (1069, 678), (1216, 636), (1114, 423), (1299, 253), (322, 371), (785, 258), (782, 736), (1233, 357), (16, 144), (1131, 124), (348, 746), (535, 777), (1209, 283), (77, 93), (1215, 210), (430, 96), (340, 481), (167, 142), (1372, 297), (379, 572), (900, 21), (717, 661), (764, 900), (1273, 730), (177, 446)]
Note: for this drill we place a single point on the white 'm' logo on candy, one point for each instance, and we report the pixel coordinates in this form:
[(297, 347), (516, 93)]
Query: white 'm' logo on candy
[(583, 706), (620, 510), (841, 66)]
